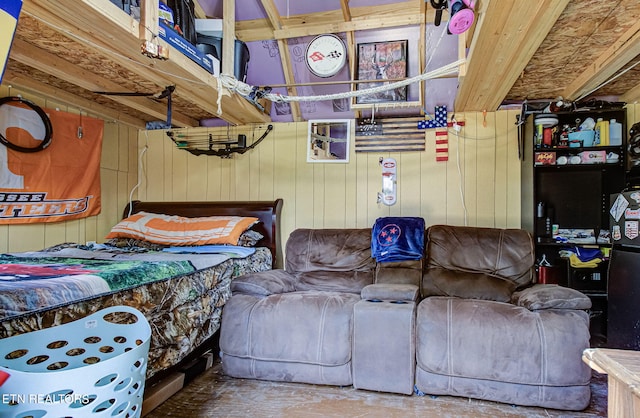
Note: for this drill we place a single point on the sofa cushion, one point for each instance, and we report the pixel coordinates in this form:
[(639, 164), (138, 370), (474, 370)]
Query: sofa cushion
[(330, 259), (500, 342), (263, 283), (462, 284), (333, 281), (299, 327), (551, 296), (504, 253)]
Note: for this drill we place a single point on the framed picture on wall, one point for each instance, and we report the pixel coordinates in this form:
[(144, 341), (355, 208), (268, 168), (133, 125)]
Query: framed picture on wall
[(379, 61), (328, 141)]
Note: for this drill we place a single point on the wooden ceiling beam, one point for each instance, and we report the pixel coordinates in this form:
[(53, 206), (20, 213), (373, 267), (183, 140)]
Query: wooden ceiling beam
[(115, 37), (507, 35), (617, 56), (42, 89), (229, 40), (346, 11), (272, 13), (361, 18), (46, 62), (275, 21), (632, 95)]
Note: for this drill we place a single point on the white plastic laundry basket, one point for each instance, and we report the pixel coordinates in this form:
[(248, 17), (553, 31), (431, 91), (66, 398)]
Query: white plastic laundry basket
[(91, 367)]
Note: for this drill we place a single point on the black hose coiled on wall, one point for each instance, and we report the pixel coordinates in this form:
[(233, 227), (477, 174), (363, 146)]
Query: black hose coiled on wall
[(45, 120)]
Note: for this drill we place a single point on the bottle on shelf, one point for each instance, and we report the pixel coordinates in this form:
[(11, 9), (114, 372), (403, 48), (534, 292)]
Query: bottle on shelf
[(602, 132), (615, 133)]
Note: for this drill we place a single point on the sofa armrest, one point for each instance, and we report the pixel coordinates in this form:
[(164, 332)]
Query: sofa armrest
[(550, 296), (264, 283), (395, 292)]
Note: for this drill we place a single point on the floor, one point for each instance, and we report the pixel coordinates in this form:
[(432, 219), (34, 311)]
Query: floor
[(212, 394)]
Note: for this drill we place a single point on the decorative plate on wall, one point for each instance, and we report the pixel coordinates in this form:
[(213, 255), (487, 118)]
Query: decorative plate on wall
[(326, 55)]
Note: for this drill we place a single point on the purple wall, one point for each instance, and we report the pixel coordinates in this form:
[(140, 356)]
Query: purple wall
[(265, 66)]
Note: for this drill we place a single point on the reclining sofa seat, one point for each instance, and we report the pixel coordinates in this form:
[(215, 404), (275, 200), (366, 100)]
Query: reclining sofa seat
[(295, 324), (484, 331)]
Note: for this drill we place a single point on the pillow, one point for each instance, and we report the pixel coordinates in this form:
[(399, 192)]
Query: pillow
[(551, 296), (132, 243), (177, 230), (250, 238)]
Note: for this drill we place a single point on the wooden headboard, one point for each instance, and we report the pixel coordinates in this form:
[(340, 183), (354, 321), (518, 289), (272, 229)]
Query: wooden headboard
[(268, 212)]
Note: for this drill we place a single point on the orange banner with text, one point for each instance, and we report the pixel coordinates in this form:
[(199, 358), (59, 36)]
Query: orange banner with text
[(58, 183)]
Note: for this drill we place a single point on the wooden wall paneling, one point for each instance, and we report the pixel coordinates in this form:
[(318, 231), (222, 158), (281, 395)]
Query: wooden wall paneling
[(467, 138), (228, 179), (454, 177), (284, 183), (360, 179), (304, 214), (433, 204), (196, 179), (264, 159), (502, 129), (468, 151), (169, 149), (409, 183), (155, 171), (134, 159), (334, 194), (179, 172), (214, 174), (319, 193), (513, 179), (245, 177), (486, 177), (249, 179), (123, 147), (351, 186), (110, 142), (123, 192), (322, 195), (110, 212)]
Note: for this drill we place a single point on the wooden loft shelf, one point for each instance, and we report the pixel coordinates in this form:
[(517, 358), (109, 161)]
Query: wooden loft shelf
[(69, 49)]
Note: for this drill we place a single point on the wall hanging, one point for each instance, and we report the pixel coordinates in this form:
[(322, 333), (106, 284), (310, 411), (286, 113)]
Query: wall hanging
[(389, 181), (328, 141), (59, 182)]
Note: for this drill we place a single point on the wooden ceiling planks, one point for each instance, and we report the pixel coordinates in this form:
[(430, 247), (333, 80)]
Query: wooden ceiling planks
[(107, 54), (507, 35), (582, 34), (520, 50)]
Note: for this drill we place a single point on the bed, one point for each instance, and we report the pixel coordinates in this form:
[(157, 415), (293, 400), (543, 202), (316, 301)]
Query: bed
[(183, 307)]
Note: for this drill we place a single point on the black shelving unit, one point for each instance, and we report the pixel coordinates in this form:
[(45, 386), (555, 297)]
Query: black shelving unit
[(573, 196)]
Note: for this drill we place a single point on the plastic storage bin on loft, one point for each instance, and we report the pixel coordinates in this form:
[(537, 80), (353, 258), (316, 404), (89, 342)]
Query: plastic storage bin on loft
[(91, 367)]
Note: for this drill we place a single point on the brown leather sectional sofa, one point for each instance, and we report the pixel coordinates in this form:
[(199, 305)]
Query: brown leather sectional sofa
[(466, 320)]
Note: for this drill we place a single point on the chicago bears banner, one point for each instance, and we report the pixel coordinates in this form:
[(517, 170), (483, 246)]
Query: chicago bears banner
[(57, 182)]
